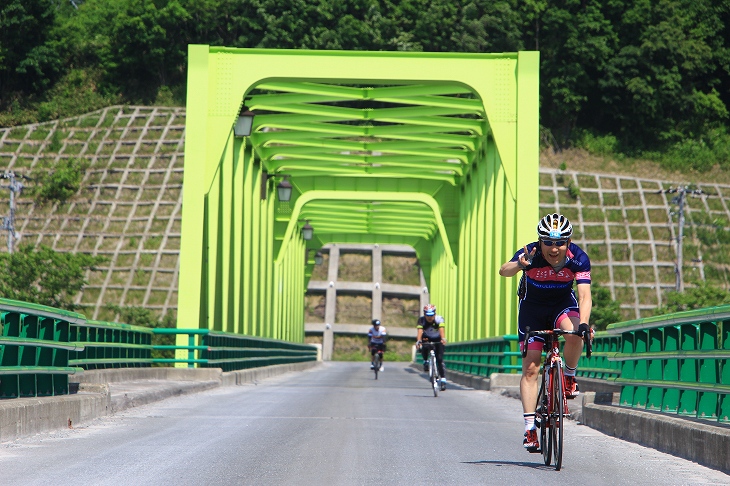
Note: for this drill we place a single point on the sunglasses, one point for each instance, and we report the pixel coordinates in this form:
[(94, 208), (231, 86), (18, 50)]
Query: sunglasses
[(554, 242)]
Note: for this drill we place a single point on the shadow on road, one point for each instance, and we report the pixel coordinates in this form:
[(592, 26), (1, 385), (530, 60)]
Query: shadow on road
[(531, 465)]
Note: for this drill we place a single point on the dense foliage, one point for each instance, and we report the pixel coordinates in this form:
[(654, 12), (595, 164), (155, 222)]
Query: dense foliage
[(44, 276), (61, 183), (635, 76), (699, 295), (605, 310)]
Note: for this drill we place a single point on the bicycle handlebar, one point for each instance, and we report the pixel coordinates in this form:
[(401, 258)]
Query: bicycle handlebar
[(559, 332)]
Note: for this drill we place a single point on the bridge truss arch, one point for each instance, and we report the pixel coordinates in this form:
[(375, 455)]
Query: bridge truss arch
[(438, 151)]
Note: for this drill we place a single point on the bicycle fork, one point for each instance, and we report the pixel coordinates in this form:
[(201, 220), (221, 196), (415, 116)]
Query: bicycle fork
[(555, 363)]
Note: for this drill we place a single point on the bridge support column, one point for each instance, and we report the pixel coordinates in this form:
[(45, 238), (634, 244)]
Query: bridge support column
[(425, 296), (377, 294), (328, 338)]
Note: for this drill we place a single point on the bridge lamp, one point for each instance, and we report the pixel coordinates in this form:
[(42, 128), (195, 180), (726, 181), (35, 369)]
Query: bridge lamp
[(244, 124), (318, 258), (307, 231), (284, 190)]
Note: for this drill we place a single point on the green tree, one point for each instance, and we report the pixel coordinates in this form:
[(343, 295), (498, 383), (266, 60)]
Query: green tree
[(62, 183), (605, 310), (43, 276), (487, 26), (661, 84), (27, 62), (576, 41), (697, 295)]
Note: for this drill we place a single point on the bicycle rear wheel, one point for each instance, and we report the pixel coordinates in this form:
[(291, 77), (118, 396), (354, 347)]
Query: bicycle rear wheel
[(376, 364), (542, 417), (558, 399), (435, 382)]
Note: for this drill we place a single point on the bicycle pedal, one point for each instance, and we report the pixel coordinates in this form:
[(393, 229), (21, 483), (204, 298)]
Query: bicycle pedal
[(534, 450)]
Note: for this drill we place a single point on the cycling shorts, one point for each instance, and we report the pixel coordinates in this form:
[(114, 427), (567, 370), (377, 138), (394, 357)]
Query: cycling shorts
[(541, 317)]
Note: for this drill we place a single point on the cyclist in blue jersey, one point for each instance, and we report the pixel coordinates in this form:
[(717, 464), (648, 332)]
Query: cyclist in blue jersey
[(547, 300), (376, 342)]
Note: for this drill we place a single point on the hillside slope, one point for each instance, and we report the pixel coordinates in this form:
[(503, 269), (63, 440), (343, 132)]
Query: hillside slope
[(129, 210)]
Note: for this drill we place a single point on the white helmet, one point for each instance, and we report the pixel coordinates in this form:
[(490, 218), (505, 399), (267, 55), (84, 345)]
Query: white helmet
[(554, 227)]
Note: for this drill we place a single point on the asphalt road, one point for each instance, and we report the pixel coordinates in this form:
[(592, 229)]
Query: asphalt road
[(332, 425)]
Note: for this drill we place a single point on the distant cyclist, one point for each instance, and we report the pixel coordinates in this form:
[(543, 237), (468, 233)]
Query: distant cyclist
[(376, 342), (547, 301), (431, 332)]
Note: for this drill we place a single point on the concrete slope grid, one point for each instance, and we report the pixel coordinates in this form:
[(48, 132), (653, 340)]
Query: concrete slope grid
[(129, 211)]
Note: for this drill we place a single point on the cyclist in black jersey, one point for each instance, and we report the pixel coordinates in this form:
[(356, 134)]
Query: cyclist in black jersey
[(549, 268), (431, 330)]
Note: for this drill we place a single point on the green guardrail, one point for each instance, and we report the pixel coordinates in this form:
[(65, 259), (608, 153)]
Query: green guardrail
[(34, 349), (484, 356), (599, 366), (678, 363), (232, 352), (501, 355), (41, 346), (111, 345)]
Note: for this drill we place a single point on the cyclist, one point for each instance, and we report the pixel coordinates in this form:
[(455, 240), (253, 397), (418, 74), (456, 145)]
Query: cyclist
[(431, 332), (549, 267), (376, 342)]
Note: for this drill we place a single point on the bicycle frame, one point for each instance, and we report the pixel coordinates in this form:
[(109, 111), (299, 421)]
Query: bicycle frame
[(552, 407), (377, 358), (433, 371)]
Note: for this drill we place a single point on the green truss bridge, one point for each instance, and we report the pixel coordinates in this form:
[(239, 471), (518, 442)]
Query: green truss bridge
[(437, 151)]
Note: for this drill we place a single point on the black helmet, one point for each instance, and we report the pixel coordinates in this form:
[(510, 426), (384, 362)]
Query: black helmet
[(376, 322)]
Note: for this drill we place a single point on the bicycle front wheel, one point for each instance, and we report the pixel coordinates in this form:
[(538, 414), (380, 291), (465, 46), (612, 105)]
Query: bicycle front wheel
[(542, 417), (434, 377), (558, 412), (376, 364)]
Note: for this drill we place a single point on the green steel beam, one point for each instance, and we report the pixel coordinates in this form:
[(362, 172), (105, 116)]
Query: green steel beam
[(422, 149)]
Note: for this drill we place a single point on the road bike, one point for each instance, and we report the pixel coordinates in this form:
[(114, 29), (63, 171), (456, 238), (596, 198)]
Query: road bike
[(552, 406), (377, 360), (433, 370)]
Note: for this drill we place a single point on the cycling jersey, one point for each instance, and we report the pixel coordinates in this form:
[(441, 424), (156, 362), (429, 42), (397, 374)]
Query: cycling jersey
[(542, 284), (430, 329), (376, 335)]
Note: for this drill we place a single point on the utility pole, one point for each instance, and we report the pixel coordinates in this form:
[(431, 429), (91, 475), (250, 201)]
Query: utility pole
[(9, 221), (679, 200)]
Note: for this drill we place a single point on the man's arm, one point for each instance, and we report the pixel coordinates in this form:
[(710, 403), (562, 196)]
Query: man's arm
[(510, 268), (585, 302)]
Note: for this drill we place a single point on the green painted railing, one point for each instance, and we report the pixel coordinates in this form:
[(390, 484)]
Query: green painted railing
[(501, 355), (677, 363), (111, 345), (600, 365), (41, 346), (34, 349), (232, 352), (484, 356)]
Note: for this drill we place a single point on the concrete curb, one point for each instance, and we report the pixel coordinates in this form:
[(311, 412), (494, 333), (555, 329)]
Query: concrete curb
[(24, 417), (705, 443), (253, 375), (105, 392)]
